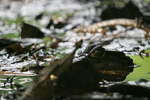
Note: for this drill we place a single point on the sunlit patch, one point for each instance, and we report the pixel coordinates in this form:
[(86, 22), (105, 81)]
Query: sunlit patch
[(53, 77)]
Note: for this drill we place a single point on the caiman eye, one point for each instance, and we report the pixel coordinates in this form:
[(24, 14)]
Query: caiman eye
[(98, 53)]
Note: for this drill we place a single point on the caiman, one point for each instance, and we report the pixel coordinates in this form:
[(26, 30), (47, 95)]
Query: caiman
[(92, 65)]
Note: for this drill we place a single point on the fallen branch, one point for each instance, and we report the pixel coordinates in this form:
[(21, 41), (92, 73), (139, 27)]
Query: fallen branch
[(97, 27), (42, 88)]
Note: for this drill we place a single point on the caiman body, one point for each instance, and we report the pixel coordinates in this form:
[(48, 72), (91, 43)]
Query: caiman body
[(114, 63), (93, 65)]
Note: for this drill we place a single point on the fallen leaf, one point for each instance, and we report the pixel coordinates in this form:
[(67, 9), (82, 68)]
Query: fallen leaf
[(29, 31)]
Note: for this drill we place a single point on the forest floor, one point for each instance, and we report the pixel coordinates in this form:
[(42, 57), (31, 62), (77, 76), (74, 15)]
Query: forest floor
[(34, 33)]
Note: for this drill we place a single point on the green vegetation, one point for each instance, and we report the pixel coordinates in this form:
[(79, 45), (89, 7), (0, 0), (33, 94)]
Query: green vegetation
[(11, 35), (109, 2), (140, 72), (56, 13), (47, 39), (15, 20), (147, 1)]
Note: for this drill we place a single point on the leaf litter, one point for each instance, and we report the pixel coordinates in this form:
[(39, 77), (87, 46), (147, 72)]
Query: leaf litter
[(29, 59)]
